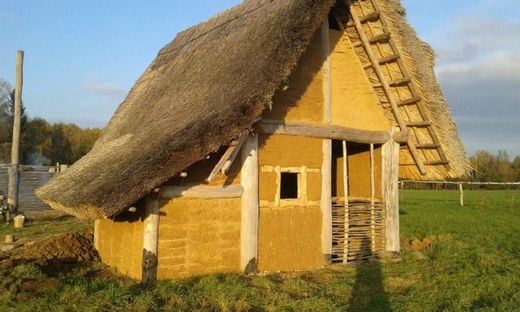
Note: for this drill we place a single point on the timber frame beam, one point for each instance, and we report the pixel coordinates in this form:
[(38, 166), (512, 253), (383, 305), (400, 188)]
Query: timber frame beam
[(329, 132)]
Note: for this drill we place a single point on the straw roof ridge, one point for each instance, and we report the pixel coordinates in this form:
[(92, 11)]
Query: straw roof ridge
[(203, 90)]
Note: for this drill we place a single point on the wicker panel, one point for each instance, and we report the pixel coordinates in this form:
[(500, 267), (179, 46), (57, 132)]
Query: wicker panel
[(360, 236)]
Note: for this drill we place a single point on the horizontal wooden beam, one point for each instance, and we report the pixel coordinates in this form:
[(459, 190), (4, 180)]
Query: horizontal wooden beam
[(202, 191), (325, 132)]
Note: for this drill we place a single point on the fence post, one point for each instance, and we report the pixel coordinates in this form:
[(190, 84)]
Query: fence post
[(461, 189), (12, 191)]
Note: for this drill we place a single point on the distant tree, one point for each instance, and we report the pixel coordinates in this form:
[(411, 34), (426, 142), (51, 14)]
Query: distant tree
[(7, 99), (516, 168)]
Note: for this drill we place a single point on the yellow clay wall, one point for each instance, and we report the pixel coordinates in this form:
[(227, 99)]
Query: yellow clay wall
[(198, 237), (354, 103), (289, 236), (120, 244)]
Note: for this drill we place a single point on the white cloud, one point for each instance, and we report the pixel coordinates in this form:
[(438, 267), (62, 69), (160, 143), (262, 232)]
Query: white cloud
[(479, 69), (104, 89)]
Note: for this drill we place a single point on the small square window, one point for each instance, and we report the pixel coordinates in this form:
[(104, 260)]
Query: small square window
[(289, 185)]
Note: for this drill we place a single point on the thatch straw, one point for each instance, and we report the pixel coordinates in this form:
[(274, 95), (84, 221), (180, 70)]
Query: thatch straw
[(203, 90)]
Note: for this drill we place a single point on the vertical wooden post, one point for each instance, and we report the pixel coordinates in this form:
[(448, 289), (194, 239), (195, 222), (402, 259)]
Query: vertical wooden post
[(250, 211), (390, 187), (345, 192), (372, 199), (12, 196), (461, 189), (150, 239), (326, 168), (96, 235)]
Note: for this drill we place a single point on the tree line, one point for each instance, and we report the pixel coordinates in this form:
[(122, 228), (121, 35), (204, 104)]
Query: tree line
[(41, 142), (488, 167)]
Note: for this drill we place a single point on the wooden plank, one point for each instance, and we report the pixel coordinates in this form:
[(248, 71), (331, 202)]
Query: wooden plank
[(428, 146), (345, 192), (323, 131), (201, 191), (238, 146), (250, 206), (13, 183), (410, 101), (400, 82), (227, 159), (370, 17), (372, 196), (150, 239), (389, 59), (379, 38), (418, 124), (390, 187)]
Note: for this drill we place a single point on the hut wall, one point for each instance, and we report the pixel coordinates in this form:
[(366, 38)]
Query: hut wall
[(120, 243), (198, 236), (301, 99), (359, 172), (354, 103), (289, 230)]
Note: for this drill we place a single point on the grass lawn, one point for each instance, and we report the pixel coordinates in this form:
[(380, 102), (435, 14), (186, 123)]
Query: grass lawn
[(473, 264)]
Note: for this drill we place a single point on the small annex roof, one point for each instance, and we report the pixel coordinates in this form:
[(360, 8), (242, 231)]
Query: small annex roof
[(206, 88)]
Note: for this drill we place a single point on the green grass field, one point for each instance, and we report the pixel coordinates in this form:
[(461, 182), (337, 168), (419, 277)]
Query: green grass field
[(473, 264)]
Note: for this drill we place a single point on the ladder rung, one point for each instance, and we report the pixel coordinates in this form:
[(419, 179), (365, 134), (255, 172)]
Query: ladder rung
[(357, 44), (389, 59), (427, 146), (418, 124), (369, 17), (409, 101), (428, 163), (379, 38), (368, 65), (400, 82)]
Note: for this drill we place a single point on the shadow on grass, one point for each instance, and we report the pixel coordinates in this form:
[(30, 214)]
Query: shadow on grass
[(368, 293)]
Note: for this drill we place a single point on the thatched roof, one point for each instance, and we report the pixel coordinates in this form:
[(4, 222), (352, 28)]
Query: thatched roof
[(419, 58), (203, 90)]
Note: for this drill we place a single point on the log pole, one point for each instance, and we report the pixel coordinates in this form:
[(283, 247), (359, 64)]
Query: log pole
[(326, 169), (390, 181), (150, 239), (250, 206), (12, 190)]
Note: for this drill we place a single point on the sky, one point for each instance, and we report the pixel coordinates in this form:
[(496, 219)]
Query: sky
[(82, 57)]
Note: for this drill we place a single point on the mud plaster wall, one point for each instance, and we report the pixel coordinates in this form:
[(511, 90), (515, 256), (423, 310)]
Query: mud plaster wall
[(359, 172), (198, 237), (120, 244), (289, 237), (303, 98), (354, 103)]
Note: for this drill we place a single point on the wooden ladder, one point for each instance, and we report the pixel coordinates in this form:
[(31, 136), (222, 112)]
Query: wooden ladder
[(371, 41)]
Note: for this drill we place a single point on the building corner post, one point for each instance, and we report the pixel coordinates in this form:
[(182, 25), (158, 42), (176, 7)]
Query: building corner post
[(150, 239), (390, 180)]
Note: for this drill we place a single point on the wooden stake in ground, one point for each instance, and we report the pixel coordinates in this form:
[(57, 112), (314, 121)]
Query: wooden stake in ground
[(12, 196), (461, 195)]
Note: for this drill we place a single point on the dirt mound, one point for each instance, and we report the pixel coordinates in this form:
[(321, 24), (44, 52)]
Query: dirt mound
[(54, 250)]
